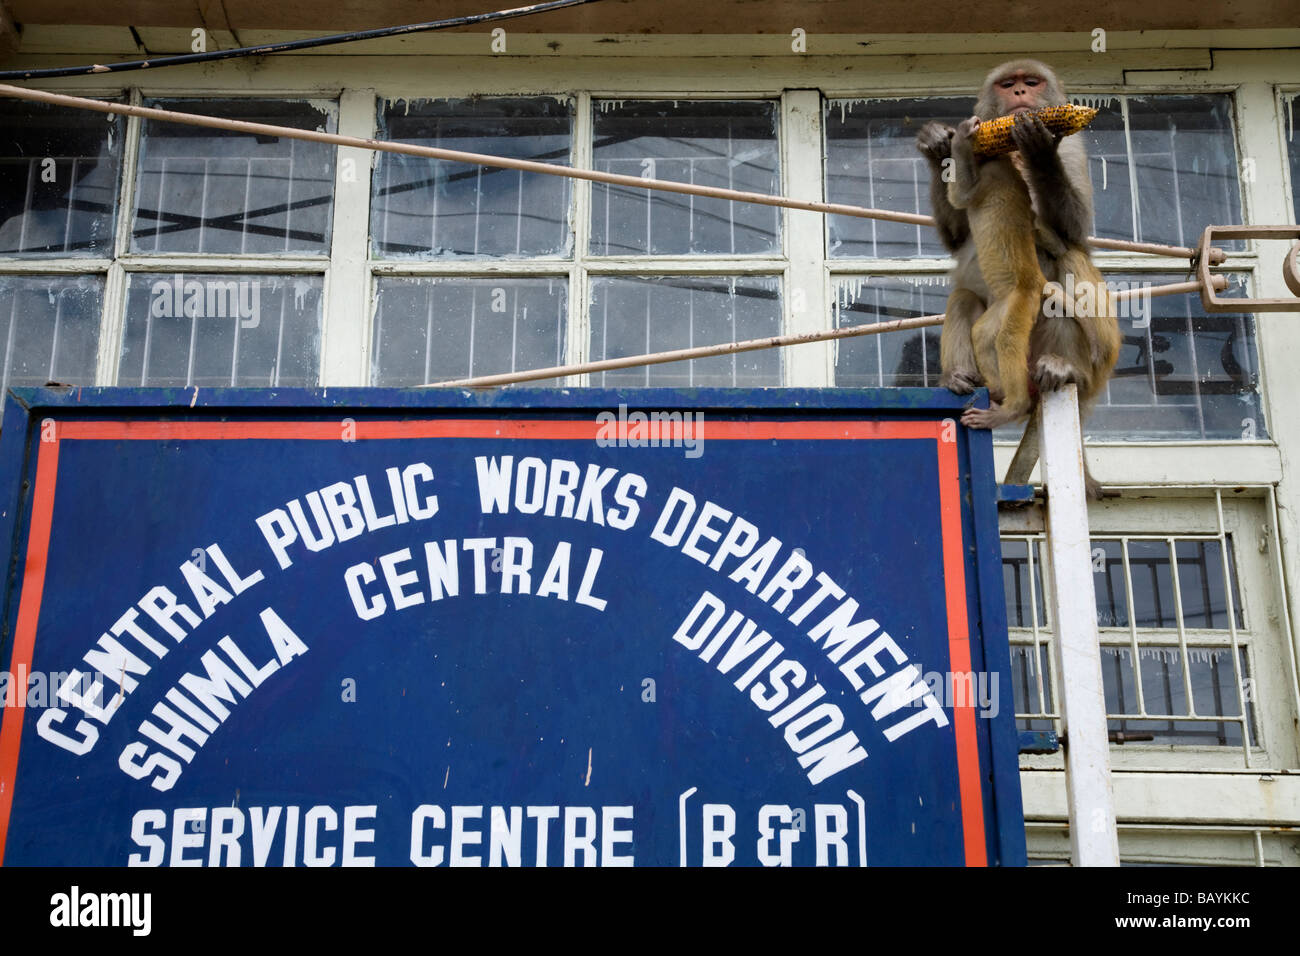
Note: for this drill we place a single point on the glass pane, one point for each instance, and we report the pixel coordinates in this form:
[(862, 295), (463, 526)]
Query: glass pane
[(1200, 581), (49, 326), (427, 208), (205, 190), (434, 330), (1153, 586), (871, 160), (632, 316), (1024, 685), (714, 143), (1108, 582), (895, 358), (1164, 692), (215, 330), (1185, 166), (1181, 373), (1108, 167), (1016, 584), (59, 172)]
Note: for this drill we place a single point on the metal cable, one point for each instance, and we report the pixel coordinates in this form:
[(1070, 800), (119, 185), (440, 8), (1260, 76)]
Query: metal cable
[(290, 45)]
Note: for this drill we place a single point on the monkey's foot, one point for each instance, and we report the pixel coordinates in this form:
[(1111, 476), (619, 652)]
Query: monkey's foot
[(995, 416), (961, 381), (1051, 372)]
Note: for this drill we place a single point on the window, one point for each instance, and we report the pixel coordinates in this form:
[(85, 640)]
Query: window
[(225, 193), (429, 208), (575, 271), (59, 176), (259, 208), (1181, 640), (1162, 167)]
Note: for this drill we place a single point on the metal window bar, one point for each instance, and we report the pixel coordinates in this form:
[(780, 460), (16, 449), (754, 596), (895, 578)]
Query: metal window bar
[(1136, 646), (1225, 557)]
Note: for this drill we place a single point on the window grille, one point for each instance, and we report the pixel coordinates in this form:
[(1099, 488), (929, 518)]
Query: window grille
[(1176, 646)]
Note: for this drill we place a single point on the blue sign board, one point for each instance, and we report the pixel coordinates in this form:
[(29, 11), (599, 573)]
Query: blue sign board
[(527, 627)]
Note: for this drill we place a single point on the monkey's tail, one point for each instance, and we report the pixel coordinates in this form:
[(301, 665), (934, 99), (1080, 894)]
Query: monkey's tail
[(1022, 464)]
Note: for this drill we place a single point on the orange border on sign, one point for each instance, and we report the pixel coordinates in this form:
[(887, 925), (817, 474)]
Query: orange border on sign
[(954, 568)]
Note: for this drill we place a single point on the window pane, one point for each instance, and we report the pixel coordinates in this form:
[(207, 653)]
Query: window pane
[(49, 326), (894, 358), (1200, 581), (434, 330), (1108, 583), (871, 160), (428, 208), (59, 173), (204, 190), (1174, 171), (632, 316), (1017, 585), (215, 330), (1025, 675), (1185, 167), (715, 143), (1214, 691), (1181, 373)]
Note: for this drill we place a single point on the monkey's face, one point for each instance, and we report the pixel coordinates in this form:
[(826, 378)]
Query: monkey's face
[(1019, 91)]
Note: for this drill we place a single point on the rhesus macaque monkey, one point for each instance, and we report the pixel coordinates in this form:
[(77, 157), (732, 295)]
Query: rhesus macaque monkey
[(1080, 346), (1001, 219)]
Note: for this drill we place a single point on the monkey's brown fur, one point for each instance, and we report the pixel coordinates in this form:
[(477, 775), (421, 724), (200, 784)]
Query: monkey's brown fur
[(1081, 346), (1001, 218)]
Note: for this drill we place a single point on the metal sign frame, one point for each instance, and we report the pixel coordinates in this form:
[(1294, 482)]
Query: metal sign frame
[(745, 422)]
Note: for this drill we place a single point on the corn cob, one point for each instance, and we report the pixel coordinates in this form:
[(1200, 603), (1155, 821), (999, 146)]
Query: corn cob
[(993, 137)]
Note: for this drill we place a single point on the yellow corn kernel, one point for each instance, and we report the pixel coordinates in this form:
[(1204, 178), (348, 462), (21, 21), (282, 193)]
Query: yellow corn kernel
[(993, 137)]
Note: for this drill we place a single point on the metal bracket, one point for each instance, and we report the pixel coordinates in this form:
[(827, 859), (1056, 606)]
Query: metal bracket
[(1015, 495), (1039, 742), (1210, 299)]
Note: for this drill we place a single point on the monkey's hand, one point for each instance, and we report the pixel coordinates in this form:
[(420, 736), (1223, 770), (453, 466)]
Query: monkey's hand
[(935, 141), (961, 381), (961, 144), (1032, 137), (995, 416)]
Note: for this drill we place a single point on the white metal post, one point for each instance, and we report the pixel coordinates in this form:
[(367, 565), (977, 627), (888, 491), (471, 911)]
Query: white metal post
[(1093, 837)]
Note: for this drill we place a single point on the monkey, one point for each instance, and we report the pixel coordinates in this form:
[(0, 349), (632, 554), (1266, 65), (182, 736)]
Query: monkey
[(1079, 347), (1000, 215)]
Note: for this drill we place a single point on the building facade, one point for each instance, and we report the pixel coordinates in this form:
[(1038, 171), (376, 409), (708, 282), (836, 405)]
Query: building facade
[(142, 254)]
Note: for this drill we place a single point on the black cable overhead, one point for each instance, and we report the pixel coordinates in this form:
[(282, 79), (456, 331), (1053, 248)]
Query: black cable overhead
[(269, 48)]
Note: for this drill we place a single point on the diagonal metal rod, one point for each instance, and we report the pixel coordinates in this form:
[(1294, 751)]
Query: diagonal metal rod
[(527, 165)]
